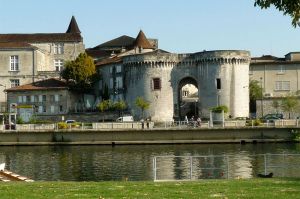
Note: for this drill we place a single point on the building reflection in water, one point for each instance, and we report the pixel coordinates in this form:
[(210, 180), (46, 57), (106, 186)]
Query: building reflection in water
[(98, 163)]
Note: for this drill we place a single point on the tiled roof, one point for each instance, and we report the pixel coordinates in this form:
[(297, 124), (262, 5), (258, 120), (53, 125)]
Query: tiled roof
[(9, 45), (41, 37), (110, 60), (123, 41), (48, 84), (73, 27), (142, 41), (97, 53)]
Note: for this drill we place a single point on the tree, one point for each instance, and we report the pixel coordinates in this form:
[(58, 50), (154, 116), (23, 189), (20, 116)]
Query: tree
[(289, 103), (276, 105), (255, 93), (103, 106), (120, 106), (80, 73), (288, 7), (142, 104)]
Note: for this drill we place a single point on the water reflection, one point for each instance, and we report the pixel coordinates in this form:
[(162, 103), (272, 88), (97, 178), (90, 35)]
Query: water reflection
[(97, 163)]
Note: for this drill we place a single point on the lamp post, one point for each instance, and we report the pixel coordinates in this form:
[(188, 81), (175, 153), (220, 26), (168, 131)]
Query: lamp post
[(261, 98), (6, 110)]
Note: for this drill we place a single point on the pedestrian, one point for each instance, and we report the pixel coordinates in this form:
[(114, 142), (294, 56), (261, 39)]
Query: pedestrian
[(199, 121), (186, 120)]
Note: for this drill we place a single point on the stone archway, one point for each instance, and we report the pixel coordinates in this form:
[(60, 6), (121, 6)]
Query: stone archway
[(187, 105)]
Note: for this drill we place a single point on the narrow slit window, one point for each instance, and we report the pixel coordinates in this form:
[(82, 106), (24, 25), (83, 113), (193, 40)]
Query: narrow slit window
[(218, 83)]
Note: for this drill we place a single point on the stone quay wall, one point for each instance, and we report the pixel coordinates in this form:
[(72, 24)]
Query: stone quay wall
[(151, 136)]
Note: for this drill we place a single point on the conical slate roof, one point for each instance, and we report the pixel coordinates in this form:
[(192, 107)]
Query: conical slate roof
[(73, 27), (142, 41)]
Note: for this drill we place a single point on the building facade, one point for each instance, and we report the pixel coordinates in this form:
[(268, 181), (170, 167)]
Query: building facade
[(44, 98), (26, 58), (278, 78), (222, 78)]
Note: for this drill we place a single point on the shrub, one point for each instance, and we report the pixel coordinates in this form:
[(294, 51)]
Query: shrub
[(62, 125), (219, 109)]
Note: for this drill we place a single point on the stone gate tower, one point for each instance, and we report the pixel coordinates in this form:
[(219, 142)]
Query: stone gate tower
[(222, 78)]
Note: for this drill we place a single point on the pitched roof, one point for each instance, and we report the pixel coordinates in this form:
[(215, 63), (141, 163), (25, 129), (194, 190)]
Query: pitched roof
[(123, 41), (142, 41), (110, 60), (73, 27), (48, 84), (72, 35), (16, 45), (41, 37)]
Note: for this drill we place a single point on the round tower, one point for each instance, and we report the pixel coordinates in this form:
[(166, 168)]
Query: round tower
[(224, 80)]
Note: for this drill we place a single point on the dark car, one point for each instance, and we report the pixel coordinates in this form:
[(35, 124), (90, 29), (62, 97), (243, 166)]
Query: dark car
[(271, 117)]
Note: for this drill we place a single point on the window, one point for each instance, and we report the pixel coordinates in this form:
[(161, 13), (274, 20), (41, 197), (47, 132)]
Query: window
[(44, 98), (28, 98), (52, 109), (58, 48), (119, 69), (40, 98), (40, 109), (20, 99), (119, 82), (156, 83), (52, 98), (14, 83), (32, 98), (14, 63), (281, 69), (59, 64), (60, 108), (111, 83), (282, 85), (56, 98), (44, 109), (24, 98), (218, 83)]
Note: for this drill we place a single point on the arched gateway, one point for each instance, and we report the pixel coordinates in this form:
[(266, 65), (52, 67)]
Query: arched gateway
[(220, 76)]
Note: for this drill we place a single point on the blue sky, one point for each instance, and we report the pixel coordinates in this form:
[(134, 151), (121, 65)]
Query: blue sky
[(181, 26)]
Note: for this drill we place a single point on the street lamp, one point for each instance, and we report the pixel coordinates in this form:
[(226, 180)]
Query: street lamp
[(5, 96), (261, 98)]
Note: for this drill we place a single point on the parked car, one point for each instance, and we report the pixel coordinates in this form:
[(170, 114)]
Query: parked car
[(271, 117), (125, 119), (70, 121)]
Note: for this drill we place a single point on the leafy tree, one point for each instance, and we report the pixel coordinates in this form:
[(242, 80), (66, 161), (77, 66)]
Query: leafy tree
[(288, 7), (255, 90), (219, 109), (120, 106), (142, 104), (289, 103), (255, 93), (104, 106), (276, 105), (80, 73)]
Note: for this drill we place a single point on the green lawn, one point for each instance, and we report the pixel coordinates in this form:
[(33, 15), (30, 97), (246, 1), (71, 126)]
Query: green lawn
[(253, 188)]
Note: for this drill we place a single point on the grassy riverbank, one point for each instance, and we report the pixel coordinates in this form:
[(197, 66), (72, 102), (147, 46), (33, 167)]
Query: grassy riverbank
[(253, 188)]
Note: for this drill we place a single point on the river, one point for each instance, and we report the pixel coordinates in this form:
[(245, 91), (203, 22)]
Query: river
[(123, 162)]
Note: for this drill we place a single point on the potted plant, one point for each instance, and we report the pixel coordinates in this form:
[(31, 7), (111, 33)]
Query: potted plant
[(217, 112)]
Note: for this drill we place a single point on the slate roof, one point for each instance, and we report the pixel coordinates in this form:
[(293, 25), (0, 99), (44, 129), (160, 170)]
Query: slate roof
[(110, 60), (48, 84), (73, 27), (142, 41), (123, 41)]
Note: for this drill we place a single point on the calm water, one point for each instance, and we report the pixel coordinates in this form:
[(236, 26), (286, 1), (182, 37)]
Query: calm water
[(98, 163)]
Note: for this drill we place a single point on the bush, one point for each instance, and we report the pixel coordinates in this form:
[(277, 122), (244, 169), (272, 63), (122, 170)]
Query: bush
[(62, 125), (219, 109)]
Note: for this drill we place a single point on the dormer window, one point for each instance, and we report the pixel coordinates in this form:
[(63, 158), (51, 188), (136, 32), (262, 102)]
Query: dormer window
[(58, 48)]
